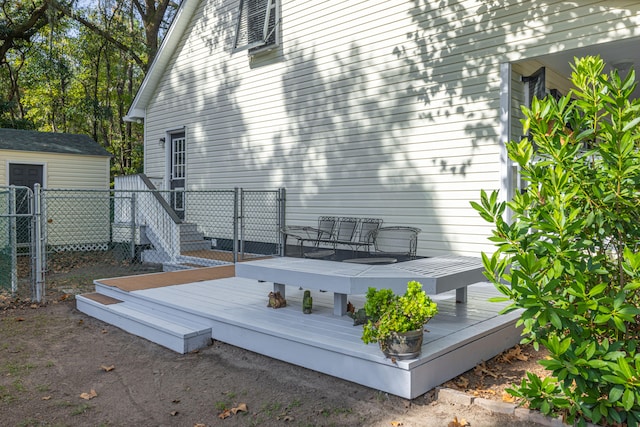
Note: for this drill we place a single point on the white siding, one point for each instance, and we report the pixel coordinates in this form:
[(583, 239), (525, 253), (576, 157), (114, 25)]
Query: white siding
[(369, 107), (83, 222), (61, 170)]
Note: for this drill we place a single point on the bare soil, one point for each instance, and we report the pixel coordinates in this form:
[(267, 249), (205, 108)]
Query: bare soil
[(59, 367)]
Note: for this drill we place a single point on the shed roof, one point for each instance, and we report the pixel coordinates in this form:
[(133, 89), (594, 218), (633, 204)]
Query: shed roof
[(49, 142)]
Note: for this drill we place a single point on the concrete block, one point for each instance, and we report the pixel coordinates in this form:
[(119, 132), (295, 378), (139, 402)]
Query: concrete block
[(495, 406), (536, 417), (453, 397)]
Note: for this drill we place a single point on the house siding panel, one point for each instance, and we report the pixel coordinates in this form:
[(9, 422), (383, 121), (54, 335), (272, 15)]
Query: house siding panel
[(369, 108), (87, 225), (61, 171)]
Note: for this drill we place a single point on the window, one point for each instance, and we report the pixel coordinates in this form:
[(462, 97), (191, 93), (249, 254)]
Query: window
[(257, 25), (535, 86), (178, 162)]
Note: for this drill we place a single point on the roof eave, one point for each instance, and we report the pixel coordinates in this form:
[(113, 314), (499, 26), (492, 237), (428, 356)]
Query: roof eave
[(167, 48)]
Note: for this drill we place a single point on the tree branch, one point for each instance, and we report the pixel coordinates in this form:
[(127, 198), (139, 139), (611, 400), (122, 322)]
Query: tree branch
[(99, 31)]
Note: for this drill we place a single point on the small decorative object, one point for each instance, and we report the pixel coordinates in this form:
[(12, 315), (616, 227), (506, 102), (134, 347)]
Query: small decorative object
[(276, 300), (359, 316), (397, 322), (307, 302)]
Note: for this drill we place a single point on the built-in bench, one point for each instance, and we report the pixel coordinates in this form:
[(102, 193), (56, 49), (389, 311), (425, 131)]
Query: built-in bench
[(437, 275)]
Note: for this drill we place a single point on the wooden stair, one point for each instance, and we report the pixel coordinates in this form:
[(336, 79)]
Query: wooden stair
[(171, 330)]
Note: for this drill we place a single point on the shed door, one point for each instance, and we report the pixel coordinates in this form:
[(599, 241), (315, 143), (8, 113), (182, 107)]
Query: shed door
[(24, 175), (178, 172)]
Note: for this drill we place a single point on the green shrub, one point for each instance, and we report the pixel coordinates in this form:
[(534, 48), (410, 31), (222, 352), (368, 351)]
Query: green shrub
[(569, 256), (388, 312)]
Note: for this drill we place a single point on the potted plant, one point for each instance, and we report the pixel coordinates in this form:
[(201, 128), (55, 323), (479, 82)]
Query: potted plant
[(397, 322)]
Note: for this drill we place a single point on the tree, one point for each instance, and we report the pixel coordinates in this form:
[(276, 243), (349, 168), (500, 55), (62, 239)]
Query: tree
[(20, 21), (570, 259), (75, 69)]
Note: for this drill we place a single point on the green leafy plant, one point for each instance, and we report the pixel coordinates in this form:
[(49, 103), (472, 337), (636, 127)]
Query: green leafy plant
[(388, 312), (569, 257)]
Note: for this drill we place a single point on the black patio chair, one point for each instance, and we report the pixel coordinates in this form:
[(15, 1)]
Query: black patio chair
[(366, 233), (398, 242)]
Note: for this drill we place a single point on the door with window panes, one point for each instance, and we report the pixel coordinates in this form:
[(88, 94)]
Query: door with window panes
[(178, 172)]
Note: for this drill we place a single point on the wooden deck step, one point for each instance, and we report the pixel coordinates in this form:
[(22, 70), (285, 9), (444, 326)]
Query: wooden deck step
[(178, 334)]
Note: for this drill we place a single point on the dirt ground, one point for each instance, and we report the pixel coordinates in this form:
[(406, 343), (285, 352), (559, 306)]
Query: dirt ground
[(59, 367)]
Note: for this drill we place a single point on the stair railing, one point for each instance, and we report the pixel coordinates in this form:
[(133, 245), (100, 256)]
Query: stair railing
[(151, 210)]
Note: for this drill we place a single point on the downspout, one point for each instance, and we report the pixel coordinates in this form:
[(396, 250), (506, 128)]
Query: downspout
[(506, 165)]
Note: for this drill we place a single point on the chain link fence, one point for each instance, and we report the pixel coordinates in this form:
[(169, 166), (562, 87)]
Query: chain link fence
[(17, 254), (89, 234)]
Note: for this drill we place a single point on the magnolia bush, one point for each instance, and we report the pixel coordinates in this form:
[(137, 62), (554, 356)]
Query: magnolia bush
[(569, 257)]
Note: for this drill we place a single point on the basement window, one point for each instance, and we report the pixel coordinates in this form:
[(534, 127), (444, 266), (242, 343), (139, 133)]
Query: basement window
[(256, 29)]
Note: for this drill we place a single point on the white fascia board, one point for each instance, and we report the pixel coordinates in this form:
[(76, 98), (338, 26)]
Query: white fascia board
[(157, 67)]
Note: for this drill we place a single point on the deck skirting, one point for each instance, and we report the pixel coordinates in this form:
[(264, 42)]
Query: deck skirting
[(234, 310)]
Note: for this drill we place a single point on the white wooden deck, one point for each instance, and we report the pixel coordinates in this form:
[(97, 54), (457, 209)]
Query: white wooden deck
[(235, 309)]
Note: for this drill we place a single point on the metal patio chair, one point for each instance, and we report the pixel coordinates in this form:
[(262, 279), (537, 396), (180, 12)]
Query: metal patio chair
[(302, 234), (366, 233), (398, 242), (342, 235)]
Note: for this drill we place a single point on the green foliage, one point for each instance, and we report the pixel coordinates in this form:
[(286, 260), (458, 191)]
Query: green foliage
[(388, 312), (570, 254), (60, 75)]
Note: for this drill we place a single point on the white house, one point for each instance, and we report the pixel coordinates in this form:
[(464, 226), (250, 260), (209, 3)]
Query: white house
[(373, 108)]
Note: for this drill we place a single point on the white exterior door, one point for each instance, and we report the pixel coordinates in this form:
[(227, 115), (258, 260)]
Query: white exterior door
[(178, 160)]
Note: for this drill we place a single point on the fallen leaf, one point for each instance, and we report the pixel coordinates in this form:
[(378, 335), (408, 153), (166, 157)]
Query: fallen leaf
[(46, 397), (173, 413), (19, 319), (482, 369), (506, 397), (224, 414), (199, 425), (288, 418), (458, 423), (240, 408), (396, 423), (107, 368), (104, 331), (462, 382), (484, 392), (513, 353), (90, 395)]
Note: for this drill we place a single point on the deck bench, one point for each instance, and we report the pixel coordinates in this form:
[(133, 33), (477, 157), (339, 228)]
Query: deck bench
[(437, 275)]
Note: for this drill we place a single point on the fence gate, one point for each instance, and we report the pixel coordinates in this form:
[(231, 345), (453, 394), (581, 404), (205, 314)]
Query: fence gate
[(18, 237)]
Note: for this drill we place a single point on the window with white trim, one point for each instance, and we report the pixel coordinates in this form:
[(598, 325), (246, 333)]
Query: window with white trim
[(256, 27), (179, 152)]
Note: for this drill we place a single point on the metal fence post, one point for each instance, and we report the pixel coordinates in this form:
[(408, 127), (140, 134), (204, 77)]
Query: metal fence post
[(235, 225), (13, 239), (282, 199), (38, 241), (242, 222), (132, 246)]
